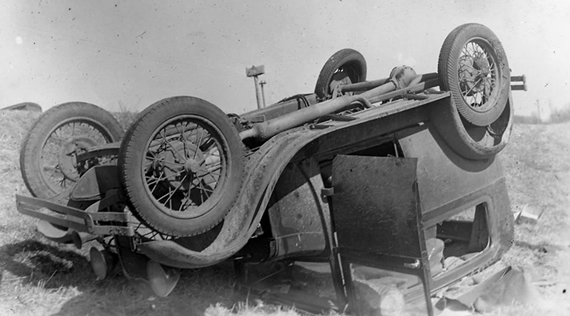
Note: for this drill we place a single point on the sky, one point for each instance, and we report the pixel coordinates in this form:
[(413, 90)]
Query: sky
[(126, 55)]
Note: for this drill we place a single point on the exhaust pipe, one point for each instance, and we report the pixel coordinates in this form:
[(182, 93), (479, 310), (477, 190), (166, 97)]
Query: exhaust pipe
[(275, 126), (400, 78)]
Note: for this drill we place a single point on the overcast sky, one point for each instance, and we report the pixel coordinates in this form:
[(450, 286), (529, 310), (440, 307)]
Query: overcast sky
[(129, 54)]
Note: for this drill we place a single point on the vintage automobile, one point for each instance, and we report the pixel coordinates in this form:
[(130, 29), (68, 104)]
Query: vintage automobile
[(394, 184)]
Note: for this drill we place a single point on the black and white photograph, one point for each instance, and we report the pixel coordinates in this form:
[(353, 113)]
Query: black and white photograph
[(284, 158)]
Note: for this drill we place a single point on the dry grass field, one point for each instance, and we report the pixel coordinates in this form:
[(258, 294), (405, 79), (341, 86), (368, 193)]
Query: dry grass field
[(38, 277)]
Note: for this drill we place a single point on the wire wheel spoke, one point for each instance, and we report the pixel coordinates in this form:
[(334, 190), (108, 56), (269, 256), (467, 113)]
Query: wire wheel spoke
[(476, 73), (186, 203), (170, 169), (59, 168), (183, 166), (152, 180)]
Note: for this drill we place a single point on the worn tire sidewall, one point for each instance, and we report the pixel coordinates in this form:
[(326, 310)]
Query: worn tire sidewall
[(449, 78), (49, 121), (131, 157), (346, 56), (447, 122)]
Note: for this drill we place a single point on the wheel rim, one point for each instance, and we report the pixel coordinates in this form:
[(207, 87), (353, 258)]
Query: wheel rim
[(58, 156), (478, 75), (185, 166)]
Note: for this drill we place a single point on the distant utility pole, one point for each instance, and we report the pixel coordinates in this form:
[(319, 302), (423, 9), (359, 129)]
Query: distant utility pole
[(254, 72)]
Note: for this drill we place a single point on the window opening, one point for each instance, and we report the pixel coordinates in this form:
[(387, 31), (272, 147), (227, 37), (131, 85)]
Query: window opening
[(457, 239)]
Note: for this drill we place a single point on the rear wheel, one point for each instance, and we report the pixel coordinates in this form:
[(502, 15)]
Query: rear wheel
[(49, 150), (474, 67), (181, 164), (343, 67)]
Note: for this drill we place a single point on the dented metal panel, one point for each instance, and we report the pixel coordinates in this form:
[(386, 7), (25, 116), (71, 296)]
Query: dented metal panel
[(297, 214), (375, 206), (264, 167), (449, 184), (443, 175), (95, 183), (378, 221)]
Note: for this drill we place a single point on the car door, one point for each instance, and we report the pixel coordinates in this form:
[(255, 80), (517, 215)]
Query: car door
[(379, 231)]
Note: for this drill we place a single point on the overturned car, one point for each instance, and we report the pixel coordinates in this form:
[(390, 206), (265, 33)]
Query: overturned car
[(390, 179)]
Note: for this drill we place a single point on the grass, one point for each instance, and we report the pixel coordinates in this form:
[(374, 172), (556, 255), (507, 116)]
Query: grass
[(39, 277), (538, 172), (125, 118)]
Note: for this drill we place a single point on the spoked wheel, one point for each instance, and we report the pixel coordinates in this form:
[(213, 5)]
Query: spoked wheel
[(181, 164), (48, 153), (343, 67), (474, 67)]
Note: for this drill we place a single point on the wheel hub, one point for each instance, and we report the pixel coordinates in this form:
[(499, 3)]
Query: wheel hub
[(338, 79), (67, 159), (191, 165), (474, 76), (180, 162), (482, 64)]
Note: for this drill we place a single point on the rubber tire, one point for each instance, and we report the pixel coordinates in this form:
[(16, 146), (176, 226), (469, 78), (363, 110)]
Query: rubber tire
[(457, 133), (132, 153), (348, 58), (448, 65), (30, 150)]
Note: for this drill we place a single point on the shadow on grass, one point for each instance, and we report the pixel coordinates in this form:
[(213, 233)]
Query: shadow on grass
[(66, 276), (40, 264), (195, 292)]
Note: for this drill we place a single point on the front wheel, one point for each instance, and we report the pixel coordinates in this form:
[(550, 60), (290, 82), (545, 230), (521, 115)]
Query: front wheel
[(181, 165), (473, 66)]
